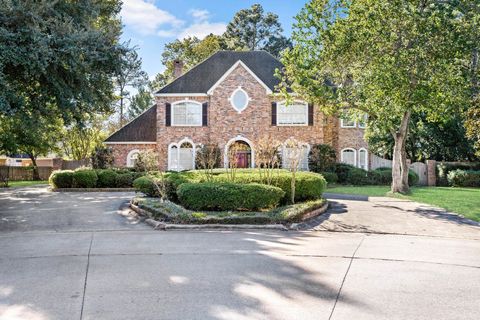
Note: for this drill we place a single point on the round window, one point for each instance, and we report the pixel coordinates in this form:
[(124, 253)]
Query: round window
[(239, 99)]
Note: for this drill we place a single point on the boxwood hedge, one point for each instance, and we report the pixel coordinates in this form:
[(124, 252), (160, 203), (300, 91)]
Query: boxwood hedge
[(61, 179), (84, 178), (228, 196)]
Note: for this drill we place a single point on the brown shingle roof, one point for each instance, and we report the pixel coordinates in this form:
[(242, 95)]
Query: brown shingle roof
[(142, 129)]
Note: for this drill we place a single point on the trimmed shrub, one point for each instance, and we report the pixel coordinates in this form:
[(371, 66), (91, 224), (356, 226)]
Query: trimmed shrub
[(145, 185), (85, 178), (125, 180), (383, 176), (342, 170), (463, 178), (229, 196), (331, 177), (61, 179), (358, 177), (444, 168), (106, 178)]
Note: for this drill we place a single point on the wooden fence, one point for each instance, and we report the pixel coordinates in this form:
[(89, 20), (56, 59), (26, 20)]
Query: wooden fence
[(24, 173), (74, 164)]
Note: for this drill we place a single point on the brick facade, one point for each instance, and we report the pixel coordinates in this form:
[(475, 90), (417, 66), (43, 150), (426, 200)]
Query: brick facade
[(120, 152), (252, 124)]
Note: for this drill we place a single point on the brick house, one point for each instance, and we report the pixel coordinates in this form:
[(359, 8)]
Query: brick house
[(229, 99)]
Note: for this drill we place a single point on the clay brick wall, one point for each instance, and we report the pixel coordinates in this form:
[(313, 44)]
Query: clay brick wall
[(120, 152)]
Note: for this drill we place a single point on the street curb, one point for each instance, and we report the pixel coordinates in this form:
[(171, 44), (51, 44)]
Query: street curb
[(92, 189), (158, 225)]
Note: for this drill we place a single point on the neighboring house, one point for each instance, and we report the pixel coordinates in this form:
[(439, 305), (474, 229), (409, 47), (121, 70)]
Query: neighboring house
[(230, 99)]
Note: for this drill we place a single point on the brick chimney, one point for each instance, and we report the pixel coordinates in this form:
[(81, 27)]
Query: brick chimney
[(177, 68)]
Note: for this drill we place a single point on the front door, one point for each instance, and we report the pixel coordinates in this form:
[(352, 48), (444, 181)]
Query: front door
[(243, 160)]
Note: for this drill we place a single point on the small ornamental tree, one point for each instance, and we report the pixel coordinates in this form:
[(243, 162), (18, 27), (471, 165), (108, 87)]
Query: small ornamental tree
[(389, 59), (322, 157), (267, 157), (147, 160), (208, 157), (102, 158), (293, 155)]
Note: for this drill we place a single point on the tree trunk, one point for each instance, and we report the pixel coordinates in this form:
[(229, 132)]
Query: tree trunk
[(36, 175), (399, 166)]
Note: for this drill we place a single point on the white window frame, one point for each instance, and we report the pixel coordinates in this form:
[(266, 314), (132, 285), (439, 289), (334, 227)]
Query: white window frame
[(365, 118), (178, 145), (366, 158), (173, 124), (308, 153), (296, 102), (354, 156), (239, 110), (232, 141), (129, 157), (343, 125)]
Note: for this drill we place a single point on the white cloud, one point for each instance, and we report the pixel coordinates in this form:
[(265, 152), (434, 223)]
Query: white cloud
[(203, 29), (200, 14), (145, 17)]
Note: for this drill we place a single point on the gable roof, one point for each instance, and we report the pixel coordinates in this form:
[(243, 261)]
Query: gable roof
[(205, 75), (141, 129)]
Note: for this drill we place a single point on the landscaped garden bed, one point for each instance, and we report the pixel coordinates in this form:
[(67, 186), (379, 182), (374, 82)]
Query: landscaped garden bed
[(247, 197)]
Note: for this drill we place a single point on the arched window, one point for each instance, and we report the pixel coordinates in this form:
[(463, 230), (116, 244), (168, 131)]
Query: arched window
[(181, 156), (132, 158), (363, 159), (187, 113), (349, 156), (294, 114), (303, 161), (239, 99)]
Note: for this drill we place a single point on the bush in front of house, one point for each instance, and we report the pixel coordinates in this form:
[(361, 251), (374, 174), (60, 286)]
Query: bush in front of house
[(383, 176), (146, 186), (322, 157), (84, 178), (444, 168), (464, 178), (61, 179), (342, 171), (106, 178), (228, 196), (125, 180), (330, 177)]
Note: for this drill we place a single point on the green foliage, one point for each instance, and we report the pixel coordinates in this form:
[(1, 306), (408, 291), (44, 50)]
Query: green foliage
[(106, 178), (146, 186), (125, 180), (322, 158), (147, 160), (102, 158), (61, 179), (229, 196), (139, 103), (253, 29), (343, 170), (330, 177), (84, 178), (463, 178), (444, 168)]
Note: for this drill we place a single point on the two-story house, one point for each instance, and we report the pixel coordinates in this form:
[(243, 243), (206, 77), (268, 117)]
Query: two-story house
[(230, 99)]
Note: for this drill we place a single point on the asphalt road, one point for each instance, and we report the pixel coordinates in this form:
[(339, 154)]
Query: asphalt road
[(75, 256)]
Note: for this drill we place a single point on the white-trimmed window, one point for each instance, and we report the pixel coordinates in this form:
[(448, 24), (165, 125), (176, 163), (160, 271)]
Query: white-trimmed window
[(181, 156), (362, 124), (187, 113), (347, 122), (349, 156), (302, 164), (295, 114), (363, 159), (239, 99), (132, 158)]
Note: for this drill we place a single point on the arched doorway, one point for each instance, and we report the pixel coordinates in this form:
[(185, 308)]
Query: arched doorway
[(239, 152)]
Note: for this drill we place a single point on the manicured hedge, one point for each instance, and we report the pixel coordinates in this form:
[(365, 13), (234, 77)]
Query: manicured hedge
[(106, 178), (308, 185), (330, 177), (464, 178), (61, 179), (125, 180), (444, 168), (228, 196), (84, 178), (348, 174)]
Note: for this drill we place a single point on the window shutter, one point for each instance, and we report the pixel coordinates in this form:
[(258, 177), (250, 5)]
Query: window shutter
[(168, 114), (310, 114), (274, 113), (205, 114)]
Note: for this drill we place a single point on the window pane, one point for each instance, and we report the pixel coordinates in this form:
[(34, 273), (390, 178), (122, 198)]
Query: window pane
[(187, 114), (348, 157), (292, 114), (362, 159), (239, 100)]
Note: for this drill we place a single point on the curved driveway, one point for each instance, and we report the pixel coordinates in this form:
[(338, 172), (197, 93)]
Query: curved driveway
[(77, 256)]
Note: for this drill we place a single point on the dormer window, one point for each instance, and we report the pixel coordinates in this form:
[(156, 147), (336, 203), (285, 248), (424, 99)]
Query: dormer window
[(239, 99)]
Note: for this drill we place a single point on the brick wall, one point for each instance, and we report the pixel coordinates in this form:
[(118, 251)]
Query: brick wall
[(120, 152)]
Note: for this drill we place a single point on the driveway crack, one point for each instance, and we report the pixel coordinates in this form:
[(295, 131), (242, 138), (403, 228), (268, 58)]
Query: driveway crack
[(345, 277), (86, 276)]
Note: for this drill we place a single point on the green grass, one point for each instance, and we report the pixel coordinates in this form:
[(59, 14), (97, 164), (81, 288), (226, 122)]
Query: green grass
[(465, 201), (25, 183)]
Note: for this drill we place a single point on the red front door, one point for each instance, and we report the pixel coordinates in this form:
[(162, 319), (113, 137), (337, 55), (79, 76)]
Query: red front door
[(243, 160)]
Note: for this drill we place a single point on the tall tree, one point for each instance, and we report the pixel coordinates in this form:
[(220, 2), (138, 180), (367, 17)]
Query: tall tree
[(139, 103), (58, 56), (386, 58), (253, 29), (130, 74)]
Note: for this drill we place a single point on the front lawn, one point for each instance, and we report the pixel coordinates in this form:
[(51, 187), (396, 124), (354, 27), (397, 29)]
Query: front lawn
[(465, 201), (25, 183)]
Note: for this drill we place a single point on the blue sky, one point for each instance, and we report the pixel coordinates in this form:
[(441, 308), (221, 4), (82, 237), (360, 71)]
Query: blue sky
[(149, 24)]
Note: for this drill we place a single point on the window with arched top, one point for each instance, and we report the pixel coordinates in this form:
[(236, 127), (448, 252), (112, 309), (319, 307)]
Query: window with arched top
[(132, 158), (187, 113), (363, 159), (239, 99), (349, 156), (181, 156)]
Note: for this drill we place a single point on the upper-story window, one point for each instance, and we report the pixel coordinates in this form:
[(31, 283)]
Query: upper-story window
[(362, 124), (239, 99), (187, 113), (347, 121), (295, 114)]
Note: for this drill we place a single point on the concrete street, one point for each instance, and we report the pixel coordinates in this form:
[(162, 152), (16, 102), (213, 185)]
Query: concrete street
[(78, 256)]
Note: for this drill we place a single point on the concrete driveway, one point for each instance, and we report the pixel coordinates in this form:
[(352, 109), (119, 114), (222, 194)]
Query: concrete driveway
[(75, 256)]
